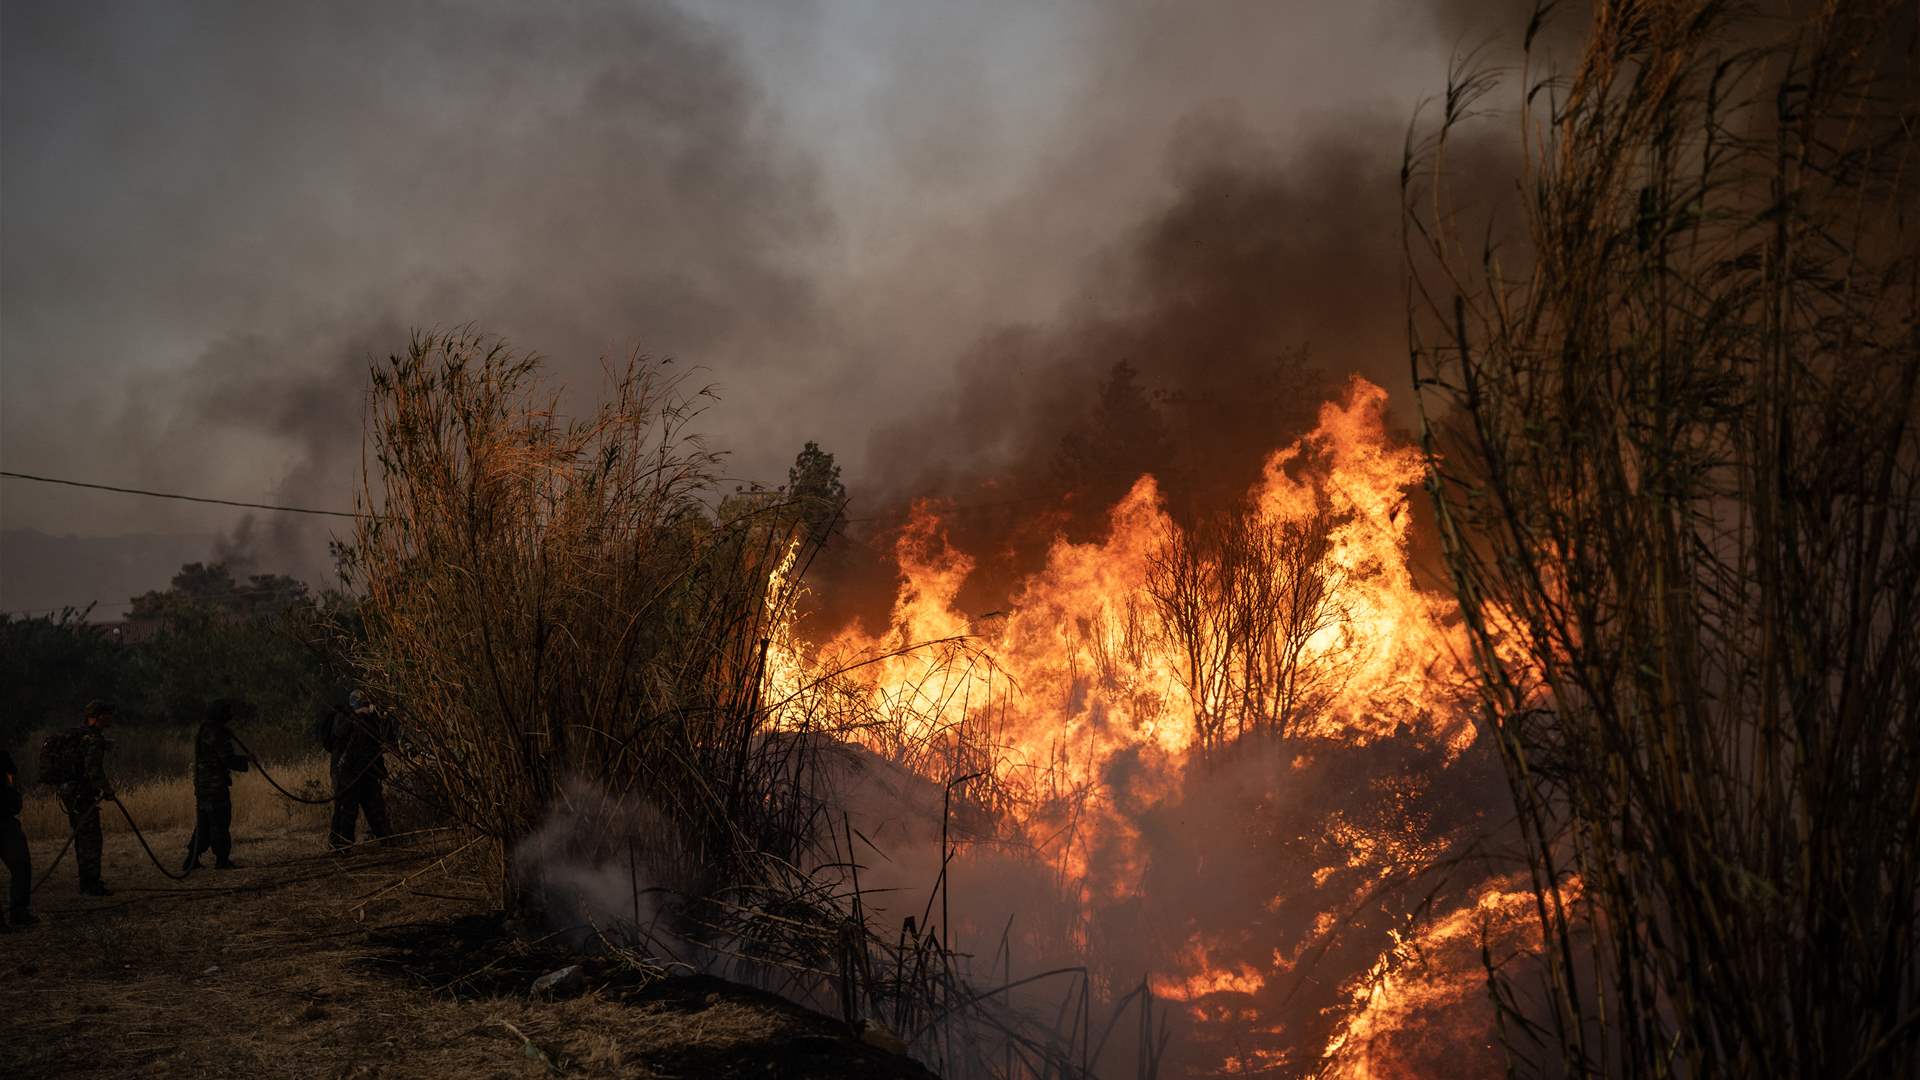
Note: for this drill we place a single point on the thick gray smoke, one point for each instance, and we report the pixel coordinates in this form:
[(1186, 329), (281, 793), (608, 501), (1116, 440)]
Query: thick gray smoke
[(860, 219), (217, 215)]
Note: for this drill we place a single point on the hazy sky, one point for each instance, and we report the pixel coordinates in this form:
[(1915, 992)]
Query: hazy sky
[(211, 215)]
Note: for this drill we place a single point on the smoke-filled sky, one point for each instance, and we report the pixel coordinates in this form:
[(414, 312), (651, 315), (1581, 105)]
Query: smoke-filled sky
[(883, 225)]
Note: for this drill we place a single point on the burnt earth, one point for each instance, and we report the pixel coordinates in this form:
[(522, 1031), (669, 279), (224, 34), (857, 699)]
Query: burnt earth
[(471, 957), (386, 966)]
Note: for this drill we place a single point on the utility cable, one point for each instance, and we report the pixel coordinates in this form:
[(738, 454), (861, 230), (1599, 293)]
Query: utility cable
[(282, 508), (182, 498)]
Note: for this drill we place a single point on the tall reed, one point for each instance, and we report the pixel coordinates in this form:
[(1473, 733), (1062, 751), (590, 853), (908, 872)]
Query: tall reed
[(1672, 429), (550, 600)]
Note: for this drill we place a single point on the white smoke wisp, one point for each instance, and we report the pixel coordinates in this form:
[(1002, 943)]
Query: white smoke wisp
[(604, 862)]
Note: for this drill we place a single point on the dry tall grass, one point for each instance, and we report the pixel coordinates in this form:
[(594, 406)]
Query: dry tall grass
[(551, 601), (141, 753), (167, 803), (1678, 471)]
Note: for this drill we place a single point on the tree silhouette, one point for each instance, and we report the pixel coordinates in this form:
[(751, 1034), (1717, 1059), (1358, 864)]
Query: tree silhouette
[(814, 488)]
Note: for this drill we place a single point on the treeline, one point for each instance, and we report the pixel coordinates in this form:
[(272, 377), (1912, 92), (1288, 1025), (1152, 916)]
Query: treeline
[(267, 638)]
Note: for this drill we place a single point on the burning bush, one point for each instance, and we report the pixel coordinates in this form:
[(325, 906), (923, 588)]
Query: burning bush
[(1194, 777), (1235, 752)]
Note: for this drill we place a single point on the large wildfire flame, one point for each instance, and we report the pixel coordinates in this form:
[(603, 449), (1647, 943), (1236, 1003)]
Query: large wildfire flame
[(1159, 650)]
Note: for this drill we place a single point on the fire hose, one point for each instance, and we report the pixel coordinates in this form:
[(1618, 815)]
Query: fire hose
[(326, 800), (255, 758), (138, 835), (47, 874)]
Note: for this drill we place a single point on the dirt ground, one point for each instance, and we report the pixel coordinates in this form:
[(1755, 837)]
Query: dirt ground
[(386, 963)]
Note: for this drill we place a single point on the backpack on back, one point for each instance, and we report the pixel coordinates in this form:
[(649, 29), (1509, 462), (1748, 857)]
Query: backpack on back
[(63, 757)]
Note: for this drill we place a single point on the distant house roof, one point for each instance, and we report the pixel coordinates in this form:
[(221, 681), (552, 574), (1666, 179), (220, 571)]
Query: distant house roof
[(133, 631)]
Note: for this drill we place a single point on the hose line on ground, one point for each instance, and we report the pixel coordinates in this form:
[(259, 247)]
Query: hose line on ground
[(47, 874), (148, 848)]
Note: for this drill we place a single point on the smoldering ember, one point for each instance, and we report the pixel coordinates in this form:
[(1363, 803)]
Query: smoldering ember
[(1035, 542)]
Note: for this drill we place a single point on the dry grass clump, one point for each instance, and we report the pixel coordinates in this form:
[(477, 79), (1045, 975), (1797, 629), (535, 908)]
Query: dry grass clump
[(551, 600), (1678, 472)]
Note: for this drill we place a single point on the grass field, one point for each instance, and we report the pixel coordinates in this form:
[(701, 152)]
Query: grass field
[(166, 803), (297, 965), (154, 758)]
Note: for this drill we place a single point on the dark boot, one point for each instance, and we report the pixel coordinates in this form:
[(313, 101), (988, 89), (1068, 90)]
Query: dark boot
[(25, 918), (95, 888)]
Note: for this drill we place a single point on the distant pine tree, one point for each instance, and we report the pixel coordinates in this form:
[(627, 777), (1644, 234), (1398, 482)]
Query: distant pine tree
[(1122, 436), (814, 487)]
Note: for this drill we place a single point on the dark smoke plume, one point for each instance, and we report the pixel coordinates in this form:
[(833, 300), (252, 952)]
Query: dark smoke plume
[(297, 187), (217, 214)]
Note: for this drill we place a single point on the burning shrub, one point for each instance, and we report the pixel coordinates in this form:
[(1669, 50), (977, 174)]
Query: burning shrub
[(1198, 775), (1203, 771), (1243, 596)]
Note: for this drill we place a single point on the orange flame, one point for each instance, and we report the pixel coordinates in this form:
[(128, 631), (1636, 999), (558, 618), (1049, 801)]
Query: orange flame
[(1088, 665), (1081, 669), (1420, 979)]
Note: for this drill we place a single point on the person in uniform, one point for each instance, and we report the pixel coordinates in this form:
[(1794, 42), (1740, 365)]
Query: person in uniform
[(13, 846), (358, 741), (81, 797), (214, 763)]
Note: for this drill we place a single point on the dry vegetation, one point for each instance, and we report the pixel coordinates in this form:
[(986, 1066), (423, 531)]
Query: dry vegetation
[(304, 964), (554, 601), (1679, 485), (573, 625), (162, 805), (569, 622), (1679, 475), (1241, 597)]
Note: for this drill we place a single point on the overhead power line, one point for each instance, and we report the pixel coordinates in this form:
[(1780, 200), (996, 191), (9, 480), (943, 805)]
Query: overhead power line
[(949, 509), (182, 498), (945, 511)]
